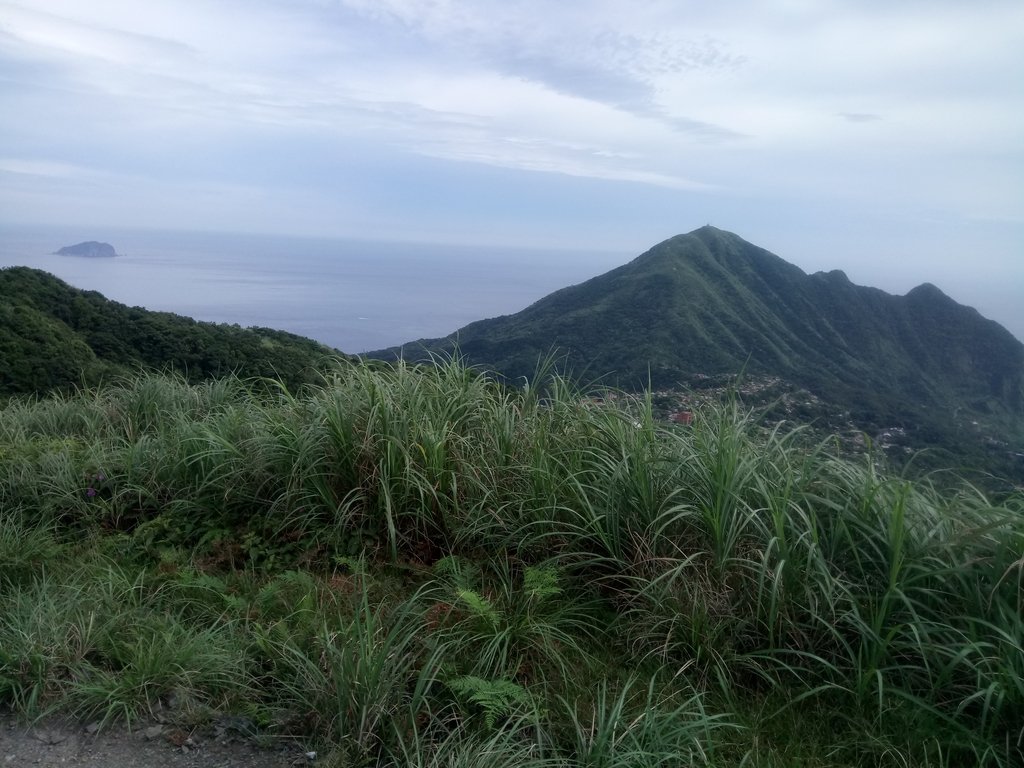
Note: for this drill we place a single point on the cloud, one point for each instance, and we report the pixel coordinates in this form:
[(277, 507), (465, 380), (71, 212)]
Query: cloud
[(136, 87), (859, 117), (75, 39), (680, 97), (587, 56), (48, 169), (545, 156)]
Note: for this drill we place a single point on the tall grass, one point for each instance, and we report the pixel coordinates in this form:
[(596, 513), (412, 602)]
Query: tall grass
[(419, 563)]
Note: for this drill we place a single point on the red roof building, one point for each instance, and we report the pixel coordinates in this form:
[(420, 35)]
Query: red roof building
[(682, 417)]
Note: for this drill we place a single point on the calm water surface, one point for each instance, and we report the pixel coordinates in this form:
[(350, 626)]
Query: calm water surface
[(353, 295)]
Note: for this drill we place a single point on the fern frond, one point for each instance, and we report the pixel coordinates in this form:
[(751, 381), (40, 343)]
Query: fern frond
[(497, 698), (480, 606)]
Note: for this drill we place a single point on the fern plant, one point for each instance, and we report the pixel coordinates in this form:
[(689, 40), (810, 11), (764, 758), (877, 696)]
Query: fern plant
[(495, 698), (480, 607), (540, 582)]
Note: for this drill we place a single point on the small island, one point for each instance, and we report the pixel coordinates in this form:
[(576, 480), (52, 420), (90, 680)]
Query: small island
[(90, 249)]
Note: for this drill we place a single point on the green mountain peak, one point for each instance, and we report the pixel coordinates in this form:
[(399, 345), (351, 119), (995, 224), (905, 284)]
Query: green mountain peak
[(708, 302)]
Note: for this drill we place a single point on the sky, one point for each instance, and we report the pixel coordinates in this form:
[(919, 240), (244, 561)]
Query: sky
[(883, 138)]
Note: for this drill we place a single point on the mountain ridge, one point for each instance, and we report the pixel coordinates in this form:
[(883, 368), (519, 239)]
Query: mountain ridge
[(709, 302)]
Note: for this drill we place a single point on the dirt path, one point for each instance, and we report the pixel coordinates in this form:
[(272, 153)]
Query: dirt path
[(57, 742)]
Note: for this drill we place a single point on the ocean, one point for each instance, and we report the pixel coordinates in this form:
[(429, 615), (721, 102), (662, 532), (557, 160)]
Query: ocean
[(353, 295)]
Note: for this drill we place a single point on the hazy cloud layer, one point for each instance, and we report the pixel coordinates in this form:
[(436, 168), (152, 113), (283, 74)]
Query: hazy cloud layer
[(599, 123)]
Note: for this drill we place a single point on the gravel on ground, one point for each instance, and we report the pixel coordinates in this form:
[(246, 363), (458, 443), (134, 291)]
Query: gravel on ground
[(56, 741)]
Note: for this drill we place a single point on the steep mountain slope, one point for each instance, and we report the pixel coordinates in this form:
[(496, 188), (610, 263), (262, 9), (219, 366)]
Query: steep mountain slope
[(710, 302), (54, 336)]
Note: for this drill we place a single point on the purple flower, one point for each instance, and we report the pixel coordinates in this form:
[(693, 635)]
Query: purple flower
[(90, 492)]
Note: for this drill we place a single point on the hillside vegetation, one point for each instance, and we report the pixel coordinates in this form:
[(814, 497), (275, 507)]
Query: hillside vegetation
[(709, 303), (420, 566), (55, 337)]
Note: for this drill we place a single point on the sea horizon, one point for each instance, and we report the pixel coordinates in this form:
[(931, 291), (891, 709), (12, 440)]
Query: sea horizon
[(351, 294)]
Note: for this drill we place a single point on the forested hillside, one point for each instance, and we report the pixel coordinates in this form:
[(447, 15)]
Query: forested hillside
[(55, 337)]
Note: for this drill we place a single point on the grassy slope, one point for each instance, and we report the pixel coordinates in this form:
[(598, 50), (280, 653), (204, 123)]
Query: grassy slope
[(54, 336), (425, 568)]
